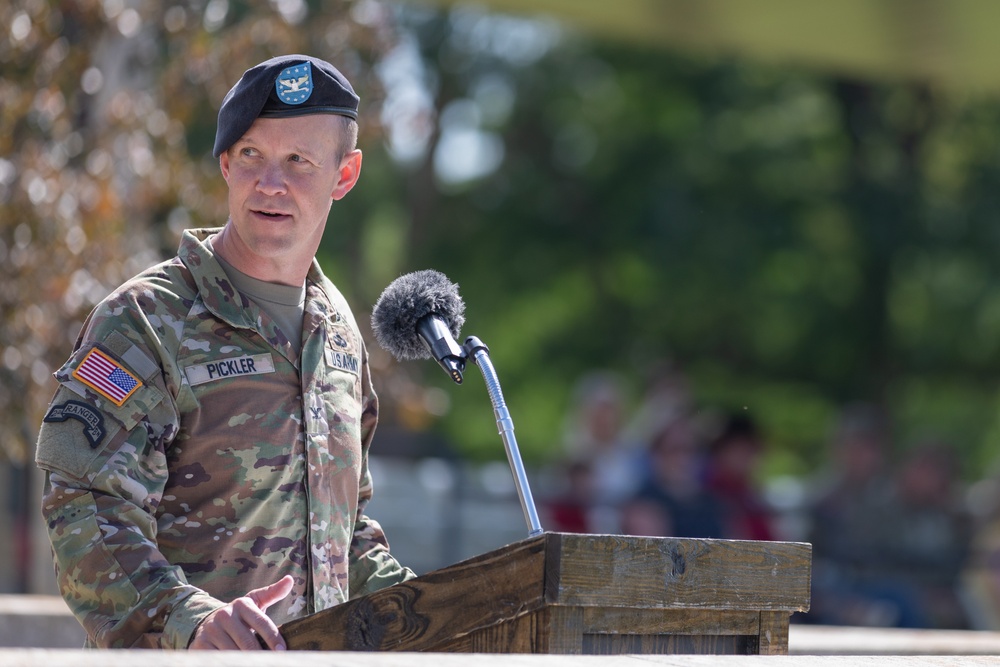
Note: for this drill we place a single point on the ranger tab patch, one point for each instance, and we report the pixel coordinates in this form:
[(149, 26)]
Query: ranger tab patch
[(92, 420), (105, 375)]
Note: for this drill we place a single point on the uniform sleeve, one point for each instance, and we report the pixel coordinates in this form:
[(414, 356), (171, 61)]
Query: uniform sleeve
[(104, 455), (372, 567)]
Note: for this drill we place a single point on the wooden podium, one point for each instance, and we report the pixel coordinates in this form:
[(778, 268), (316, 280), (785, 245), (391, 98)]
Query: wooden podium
[(582, 594)]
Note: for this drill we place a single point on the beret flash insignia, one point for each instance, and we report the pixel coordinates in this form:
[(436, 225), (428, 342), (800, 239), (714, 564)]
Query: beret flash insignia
[(294, 84)]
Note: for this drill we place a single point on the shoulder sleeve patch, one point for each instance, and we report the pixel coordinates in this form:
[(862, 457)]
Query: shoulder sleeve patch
[(92, 420), (107, 376), (73, 435), (106, 390), (118, 384)]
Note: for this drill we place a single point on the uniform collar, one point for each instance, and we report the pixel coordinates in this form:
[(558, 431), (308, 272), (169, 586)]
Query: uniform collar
[(218, 293)]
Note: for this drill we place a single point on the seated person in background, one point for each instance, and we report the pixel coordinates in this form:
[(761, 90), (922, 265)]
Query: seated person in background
[(674, 493), (733, 458)]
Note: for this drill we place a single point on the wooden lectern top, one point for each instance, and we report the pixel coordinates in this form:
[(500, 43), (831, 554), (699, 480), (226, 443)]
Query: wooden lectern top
[(575, 593)]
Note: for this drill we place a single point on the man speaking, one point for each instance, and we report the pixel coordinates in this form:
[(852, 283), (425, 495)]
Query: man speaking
[(207, 447)]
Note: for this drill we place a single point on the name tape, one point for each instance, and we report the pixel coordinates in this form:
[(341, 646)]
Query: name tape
[(258, 364), (343, 361)]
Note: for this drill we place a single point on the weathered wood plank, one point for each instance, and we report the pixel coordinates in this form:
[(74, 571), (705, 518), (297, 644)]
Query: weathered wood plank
[(617, 644), (524, 634), (671, 621), (547, 593), (424, 612), (622, 571), (773, 633), (565, 630)]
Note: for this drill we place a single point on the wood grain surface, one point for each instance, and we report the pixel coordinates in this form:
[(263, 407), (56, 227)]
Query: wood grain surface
[(575, 594)]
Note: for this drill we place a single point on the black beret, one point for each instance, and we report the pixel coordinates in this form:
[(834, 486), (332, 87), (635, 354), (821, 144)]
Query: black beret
[(282, 87)]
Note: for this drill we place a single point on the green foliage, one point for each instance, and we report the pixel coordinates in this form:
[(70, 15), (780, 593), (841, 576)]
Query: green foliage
[(789, 240), (107, 116), (793, 242)]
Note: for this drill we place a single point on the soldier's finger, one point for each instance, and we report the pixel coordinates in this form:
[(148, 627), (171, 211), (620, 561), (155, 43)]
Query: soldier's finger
[(251, 619), (267, 634), (224, 642), (245, 620), (212, 633), (265, 596), (215, 637)]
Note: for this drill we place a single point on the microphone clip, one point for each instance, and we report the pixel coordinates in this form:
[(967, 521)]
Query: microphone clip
[(451, 357), (436, 335)]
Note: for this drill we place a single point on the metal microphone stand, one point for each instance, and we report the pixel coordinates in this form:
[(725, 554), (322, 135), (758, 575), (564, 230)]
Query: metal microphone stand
[(480, 354)]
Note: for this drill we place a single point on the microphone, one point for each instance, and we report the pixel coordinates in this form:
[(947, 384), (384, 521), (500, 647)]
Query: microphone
[(419, 316)]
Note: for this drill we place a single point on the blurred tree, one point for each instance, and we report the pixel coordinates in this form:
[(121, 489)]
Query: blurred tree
[(789, 240), (793, 241), (107, 117)]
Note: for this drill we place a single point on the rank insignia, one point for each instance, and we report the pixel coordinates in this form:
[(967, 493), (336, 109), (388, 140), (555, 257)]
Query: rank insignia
[(294, 85)]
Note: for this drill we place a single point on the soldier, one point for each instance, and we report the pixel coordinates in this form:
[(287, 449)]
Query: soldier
[(207, 447)]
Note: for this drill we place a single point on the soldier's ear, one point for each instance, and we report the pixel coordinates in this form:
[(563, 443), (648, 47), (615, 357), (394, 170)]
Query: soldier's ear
[(349, 172), (224, 164)]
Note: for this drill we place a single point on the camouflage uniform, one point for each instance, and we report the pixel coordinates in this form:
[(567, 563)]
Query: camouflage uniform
[(193, 457)]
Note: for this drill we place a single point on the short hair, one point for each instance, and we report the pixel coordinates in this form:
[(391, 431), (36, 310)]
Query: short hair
[(348, 137)]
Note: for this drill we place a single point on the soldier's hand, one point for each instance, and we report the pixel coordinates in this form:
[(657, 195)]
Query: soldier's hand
[(238, 625)]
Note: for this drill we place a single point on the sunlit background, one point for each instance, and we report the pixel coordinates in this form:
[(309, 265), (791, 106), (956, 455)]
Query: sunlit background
[(774, 209)]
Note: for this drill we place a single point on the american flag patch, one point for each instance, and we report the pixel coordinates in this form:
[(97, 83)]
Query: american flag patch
[(107, 377)]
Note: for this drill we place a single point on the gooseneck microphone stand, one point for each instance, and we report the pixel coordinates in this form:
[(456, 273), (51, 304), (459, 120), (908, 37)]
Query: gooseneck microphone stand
[(480, 354)]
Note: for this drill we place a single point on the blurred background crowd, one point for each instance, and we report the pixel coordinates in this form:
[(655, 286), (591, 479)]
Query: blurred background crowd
[(899, 539)]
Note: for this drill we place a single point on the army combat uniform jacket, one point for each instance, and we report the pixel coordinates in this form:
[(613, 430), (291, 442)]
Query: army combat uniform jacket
[(192, 456)]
